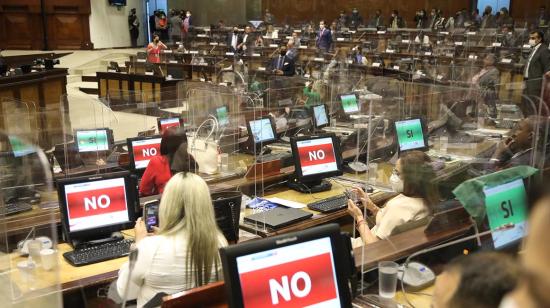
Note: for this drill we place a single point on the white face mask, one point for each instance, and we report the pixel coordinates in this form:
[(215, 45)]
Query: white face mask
[(396, 183), (188, 15), (532, 43)]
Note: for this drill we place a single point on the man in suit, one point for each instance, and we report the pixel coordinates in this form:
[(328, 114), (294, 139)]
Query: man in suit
[(247, 41), (234, 40), (538, 64), (324, 38), (282, 64), (486, 82), (377, 20), (133, 24)]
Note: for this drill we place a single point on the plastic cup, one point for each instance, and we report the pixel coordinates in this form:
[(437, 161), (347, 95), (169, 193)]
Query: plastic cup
[(387, 278), (34, 247), (49, 259), (224, 161), (373, 173)]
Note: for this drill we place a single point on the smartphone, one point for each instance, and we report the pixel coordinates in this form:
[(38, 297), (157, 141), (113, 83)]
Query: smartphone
[(151, 214)]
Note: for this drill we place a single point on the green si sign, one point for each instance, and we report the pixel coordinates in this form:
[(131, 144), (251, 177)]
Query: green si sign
[(409, 134), (506, 204)]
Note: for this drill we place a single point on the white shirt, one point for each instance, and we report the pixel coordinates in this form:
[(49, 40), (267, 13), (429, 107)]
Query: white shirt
[(526, 73), (161, 266), (398, 211), (234, 41)]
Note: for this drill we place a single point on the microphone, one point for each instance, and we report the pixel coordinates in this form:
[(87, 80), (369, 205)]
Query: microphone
[(131, 264), (475, 236)]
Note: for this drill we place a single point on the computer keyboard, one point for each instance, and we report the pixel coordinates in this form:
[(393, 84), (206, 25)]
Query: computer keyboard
[(99, 253), (273, 156), (16, 207), (330, 204)]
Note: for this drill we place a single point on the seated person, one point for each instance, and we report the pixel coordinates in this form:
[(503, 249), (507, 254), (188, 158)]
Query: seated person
[(160, 168), (358, 57), (534, 280), (283, 64), (418, 196), (183, 252), (518, 149), (479, 280), (485, 83)]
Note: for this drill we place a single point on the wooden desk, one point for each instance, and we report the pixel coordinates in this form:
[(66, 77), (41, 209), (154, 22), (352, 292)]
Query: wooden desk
[(39, 117), (126, 90), (66, 277)]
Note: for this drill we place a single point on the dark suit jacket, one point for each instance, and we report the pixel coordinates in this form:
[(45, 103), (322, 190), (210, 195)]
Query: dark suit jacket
[(540, 64), (324, 40), (288, 66), (249, 42), (230, 38)]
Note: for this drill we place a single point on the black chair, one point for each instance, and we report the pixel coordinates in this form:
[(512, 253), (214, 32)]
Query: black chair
[(227, 208)]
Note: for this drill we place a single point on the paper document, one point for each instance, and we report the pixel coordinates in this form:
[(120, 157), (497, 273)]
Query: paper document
[(287, 203)]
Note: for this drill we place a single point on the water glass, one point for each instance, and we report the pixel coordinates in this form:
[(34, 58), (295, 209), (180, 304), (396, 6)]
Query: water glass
[(34, 247), (373, 173), (387, 278), (224, 158)]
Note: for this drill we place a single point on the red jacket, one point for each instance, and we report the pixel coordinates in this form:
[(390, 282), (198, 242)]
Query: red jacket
[(155, 177)]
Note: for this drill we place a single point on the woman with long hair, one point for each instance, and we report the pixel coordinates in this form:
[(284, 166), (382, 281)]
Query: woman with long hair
[(173, 158), (183, 252), (417, 197)]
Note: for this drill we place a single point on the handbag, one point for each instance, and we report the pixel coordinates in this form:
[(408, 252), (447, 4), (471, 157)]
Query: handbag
[(205, 150)]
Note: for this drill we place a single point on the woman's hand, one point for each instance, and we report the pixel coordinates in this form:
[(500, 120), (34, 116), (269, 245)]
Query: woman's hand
[(354, 211), (140, 230), (367, 203)]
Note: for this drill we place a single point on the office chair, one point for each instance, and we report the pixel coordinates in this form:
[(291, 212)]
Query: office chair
[(227, 208)]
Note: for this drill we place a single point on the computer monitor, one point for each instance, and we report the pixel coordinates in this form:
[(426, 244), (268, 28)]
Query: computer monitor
[(165, 123), (301, 269), (315, 158), (262, 131), (222, 114), (411, 135), (94, 140), (175, 71), (141, 150), (350, 103), (93, 207), (19, 148), (506, 204), (320, 116)]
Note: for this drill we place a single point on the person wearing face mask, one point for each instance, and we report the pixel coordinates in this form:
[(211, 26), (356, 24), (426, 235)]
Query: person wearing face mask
[(421, 19), (342, 19), (433, 18), (358, 57), (538, 64), (154, 48), (377, 20), (355, 20), (247, 41), (488, 20), (133, 24), (324, 38), (504, 18), (186, 28), (282, 64), (412, 178), (396, 21)]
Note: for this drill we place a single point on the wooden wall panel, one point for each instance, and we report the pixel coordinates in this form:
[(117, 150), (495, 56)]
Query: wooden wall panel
[(21, 24), (67, 24), (304, 10), (527, 10)]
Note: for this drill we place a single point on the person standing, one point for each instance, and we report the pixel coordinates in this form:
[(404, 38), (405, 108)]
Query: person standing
[(175, 26), (133, 25), (186, 29), (396, 21), (488, 20), (486, 82), (538, 64), (234, 40), (247, 41), (324, 38), (377, 20), (154, 48)]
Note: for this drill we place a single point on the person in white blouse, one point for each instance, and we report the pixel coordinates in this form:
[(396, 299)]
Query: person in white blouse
[(412, 179), (183, 252)]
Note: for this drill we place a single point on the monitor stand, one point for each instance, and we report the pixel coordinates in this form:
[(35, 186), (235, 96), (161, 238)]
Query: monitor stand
[(309, 187)]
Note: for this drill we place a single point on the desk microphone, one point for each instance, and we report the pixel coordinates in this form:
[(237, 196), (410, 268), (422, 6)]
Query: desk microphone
[(131, 264), (356, 165), (421, 275)]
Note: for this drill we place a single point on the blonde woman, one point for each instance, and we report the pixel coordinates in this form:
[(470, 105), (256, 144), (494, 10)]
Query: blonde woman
[(183, 252)]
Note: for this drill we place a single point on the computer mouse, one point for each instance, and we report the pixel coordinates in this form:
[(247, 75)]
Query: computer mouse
[(117, 235)]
